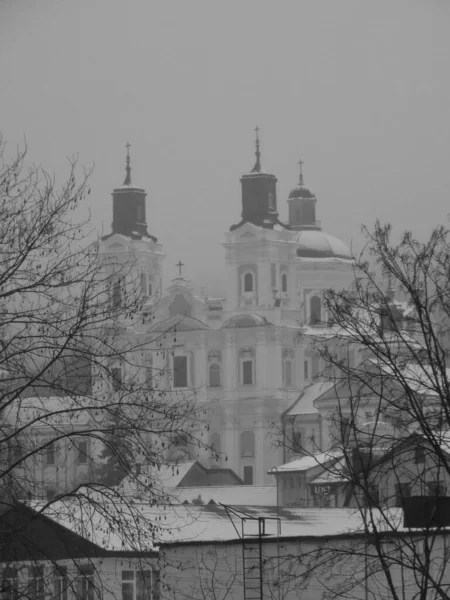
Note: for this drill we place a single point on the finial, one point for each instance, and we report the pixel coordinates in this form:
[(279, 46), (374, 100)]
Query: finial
[(257, 167), (300, 177), (128, 168)]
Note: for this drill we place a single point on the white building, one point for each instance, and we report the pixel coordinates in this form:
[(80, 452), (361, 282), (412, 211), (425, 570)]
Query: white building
[(241, 354)]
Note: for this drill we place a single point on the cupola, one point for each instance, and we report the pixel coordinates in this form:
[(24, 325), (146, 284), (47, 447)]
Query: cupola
[(259, 194), (302, 206), (129, 207)]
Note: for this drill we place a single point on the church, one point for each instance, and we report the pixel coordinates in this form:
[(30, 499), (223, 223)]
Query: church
[(250, 355)]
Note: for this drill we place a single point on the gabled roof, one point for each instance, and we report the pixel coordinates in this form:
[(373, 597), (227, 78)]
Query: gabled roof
[(307, 462), (304, 405), (180, 323)]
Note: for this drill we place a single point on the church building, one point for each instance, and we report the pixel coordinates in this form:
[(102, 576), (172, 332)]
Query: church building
[(248, 356)]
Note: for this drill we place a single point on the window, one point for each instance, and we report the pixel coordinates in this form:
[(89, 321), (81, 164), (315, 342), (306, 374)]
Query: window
[(82, 446), (273, 276), (180, 439), (35, 583), (419, 455), (50, 453), (144, 284), (344, 426), (248, 475), (10, 584), (287, 372), (315, 310), (402, 490), (180, 372), (85, 583), (214, 375), (214, 442), (436, 488), (248, 282), (306, 370), (247, 372), (116, 378), (60, 582), (373, 495), (117, 294), (284, 284), (247, 444), (149, 373), (297, 441), (138, 585)]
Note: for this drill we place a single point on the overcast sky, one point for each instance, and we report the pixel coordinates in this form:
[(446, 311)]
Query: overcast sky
[(359, 89)]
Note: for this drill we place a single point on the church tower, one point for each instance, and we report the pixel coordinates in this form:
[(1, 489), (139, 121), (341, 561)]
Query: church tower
[(302, 206), (131, 255)]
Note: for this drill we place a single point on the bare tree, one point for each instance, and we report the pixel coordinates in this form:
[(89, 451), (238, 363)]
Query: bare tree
[(385, 348), (79, 409)]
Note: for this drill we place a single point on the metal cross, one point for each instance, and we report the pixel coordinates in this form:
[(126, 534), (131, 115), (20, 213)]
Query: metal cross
[(128, 146), (180, 265), (300, 179), (257, 133)]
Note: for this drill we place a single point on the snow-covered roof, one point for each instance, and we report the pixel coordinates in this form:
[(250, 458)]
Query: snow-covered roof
[(167, 477), (304, 405), (142, 527), (236, 495), (307, 462)]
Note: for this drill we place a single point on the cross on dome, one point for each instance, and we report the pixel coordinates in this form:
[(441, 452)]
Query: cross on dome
[(257, 167), (180, 265), (300, 178), (128, 167)]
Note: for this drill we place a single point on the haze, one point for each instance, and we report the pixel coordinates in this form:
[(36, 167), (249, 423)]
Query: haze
[(359, 90)]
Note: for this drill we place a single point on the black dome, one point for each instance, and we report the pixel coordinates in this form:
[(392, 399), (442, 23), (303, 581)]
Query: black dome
[(301, 192)]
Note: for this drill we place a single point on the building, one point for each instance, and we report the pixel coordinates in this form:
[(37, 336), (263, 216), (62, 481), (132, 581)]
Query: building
[(241, 354)]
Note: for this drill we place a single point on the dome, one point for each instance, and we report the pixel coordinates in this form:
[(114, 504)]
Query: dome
[(314, 243), (245, 320), (300, 192)]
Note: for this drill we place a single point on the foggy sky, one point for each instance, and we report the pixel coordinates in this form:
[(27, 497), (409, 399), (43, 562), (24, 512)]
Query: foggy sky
[(359, 89)]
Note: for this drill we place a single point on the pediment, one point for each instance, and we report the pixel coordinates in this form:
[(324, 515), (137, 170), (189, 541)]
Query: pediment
[(180, 323)]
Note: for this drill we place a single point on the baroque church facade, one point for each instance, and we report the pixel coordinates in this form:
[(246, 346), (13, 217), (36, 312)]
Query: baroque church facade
[(247, 356)]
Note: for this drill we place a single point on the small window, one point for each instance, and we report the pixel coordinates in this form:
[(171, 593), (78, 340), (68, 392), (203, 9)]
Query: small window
[(180, 372), (297, 441), (248, 475), (419, 455), (287, 373), (50, 454), (306, 369), (82, 446), (315, 310), (247, 372), (60, 582), (284, 284), (402, 490), (436, 488), (117, 294), (247, 444), (180, 439), (10, 584), (214, 375), (138, 585), (248, 282), (214, 442), (373, 495), (35, 583), (116, 378), (85, 583), (144, 284)]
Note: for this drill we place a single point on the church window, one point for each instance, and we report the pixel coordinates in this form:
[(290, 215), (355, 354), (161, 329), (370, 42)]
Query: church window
[(83, 449), (214, 442), (287, 368), (116, 378), (150, 289), (149, 375), (248, 282), (214, 375), (247, 444), (315, 310), (297, 440), (306, 370), (273, 276), (284, 285), (117, 294), (180, 372), (247, 372), (248, 475)]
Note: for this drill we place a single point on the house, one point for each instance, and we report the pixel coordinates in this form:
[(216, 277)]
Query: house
[(43, 559)]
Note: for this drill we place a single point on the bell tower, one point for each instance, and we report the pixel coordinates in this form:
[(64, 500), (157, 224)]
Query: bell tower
[(131, 255), (302, 206)]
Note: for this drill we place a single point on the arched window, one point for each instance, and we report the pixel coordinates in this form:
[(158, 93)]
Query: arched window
[(248, 282), (214, 442), (284, 282), (247, 444), (214, 375), (315, 310), (287, 372)]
